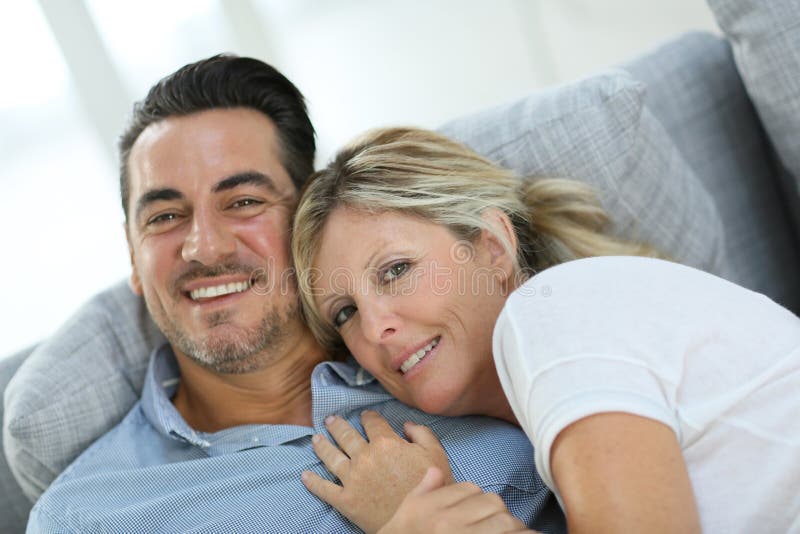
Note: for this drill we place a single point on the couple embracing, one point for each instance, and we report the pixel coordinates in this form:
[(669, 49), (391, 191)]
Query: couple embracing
[(425, 263)]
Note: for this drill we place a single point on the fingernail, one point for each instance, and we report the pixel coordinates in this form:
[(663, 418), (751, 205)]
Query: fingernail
[(315, 438), (304, 476), (330, 419), (365, 412)]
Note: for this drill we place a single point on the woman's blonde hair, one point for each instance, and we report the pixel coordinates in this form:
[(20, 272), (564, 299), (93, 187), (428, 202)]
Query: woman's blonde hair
[(424, 174)]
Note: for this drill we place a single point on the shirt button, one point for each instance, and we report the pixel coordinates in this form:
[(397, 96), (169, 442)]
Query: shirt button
[(255, 440)]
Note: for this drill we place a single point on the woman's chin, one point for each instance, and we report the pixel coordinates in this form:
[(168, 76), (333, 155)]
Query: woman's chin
[(438, 405)]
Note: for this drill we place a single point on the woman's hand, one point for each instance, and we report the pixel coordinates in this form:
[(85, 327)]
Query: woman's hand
[(432, 507), (376, 473)]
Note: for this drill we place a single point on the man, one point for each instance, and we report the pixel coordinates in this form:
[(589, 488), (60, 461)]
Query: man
[(210, 169)]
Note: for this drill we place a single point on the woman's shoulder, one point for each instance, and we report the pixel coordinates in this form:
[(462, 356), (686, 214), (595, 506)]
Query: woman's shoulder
[(607, 292), (617, 268), (614, 288), (618, 276)]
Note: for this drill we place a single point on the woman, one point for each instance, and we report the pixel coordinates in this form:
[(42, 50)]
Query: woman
[(653, 393)]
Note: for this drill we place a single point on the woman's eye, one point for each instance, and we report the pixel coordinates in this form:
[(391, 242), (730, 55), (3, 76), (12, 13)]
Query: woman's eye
[(343, 315), (395, 271)]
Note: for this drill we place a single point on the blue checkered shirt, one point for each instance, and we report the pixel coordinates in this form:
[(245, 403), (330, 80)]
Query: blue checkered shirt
[(153, 473)]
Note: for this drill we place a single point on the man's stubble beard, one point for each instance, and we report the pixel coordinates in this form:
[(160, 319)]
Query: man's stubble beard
[(240, 351)]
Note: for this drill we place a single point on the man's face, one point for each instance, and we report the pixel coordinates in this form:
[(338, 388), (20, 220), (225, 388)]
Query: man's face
[(208, 236)]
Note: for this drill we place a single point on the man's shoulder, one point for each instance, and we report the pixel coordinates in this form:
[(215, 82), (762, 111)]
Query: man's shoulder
[(108, 454), (111, 450)]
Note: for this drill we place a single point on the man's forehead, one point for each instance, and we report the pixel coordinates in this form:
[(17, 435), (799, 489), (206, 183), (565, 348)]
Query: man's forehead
[(207, 146)]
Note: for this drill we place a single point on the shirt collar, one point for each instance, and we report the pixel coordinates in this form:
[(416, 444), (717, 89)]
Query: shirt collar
[(161, 381), (336, 387)]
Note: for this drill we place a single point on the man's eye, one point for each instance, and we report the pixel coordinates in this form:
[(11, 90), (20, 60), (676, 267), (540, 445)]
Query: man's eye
[(162, 218), (245, 202), (343, 315), (394, 272)]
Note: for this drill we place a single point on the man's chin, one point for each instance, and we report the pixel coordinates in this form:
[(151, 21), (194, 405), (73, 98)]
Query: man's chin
[(223, 352), (221, 344)]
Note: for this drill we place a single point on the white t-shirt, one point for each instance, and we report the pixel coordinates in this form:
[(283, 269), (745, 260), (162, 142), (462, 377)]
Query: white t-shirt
[(716, 362)]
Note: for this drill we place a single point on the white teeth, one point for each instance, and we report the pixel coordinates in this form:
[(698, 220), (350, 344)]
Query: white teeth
[(417, 356), (218, 291)]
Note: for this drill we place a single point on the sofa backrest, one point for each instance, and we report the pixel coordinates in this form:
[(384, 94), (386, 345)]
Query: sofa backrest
[(695, 91)]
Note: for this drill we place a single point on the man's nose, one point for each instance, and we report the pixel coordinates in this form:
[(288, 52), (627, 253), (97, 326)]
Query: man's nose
[(208, 241)]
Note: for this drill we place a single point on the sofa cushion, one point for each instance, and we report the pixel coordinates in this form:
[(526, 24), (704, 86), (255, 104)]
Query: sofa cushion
[(597, 130), (86, 377), (14, 506), (76, 386), (765, 36)]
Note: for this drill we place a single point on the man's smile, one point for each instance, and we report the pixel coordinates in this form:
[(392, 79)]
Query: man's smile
[(219, 290), (216, 291)]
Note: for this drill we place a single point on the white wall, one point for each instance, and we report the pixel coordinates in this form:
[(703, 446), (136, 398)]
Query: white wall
[(361, 63)]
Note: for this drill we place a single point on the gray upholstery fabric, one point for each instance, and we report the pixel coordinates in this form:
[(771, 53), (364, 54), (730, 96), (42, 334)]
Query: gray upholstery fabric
[(14, 506), (76, 386), (694, 90), (598, 131), (765, 35)]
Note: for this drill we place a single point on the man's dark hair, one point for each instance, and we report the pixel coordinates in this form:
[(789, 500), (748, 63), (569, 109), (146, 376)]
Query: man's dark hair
[(227, 81)]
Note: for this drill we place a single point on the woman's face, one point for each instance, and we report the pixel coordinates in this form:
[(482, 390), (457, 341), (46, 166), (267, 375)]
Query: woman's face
[(415, 306)]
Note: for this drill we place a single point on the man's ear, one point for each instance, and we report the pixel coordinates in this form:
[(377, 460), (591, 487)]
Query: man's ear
[(500, 241), (134, 282)]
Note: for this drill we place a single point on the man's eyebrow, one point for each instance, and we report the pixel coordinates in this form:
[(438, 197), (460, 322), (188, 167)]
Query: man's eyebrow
[(246, 178), (155, 195)]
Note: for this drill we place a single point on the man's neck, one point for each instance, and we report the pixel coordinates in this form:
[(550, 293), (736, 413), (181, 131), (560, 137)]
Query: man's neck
[(278, 393)]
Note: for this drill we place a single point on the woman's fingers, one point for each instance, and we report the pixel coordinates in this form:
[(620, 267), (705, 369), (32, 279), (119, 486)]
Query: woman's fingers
[(324, 489), (451, 495), (422, 435), (431, 480), (467, 508), (486, 509), (434, 507), (334, 459), (347, 437), (497, 523), (376, 426), (500, 522)]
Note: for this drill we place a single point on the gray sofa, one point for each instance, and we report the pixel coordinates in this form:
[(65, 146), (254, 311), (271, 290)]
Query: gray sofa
[(692, 93)]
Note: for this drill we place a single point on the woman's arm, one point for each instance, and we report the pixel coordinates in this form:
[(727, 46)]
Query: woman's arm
[(619, 472)]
